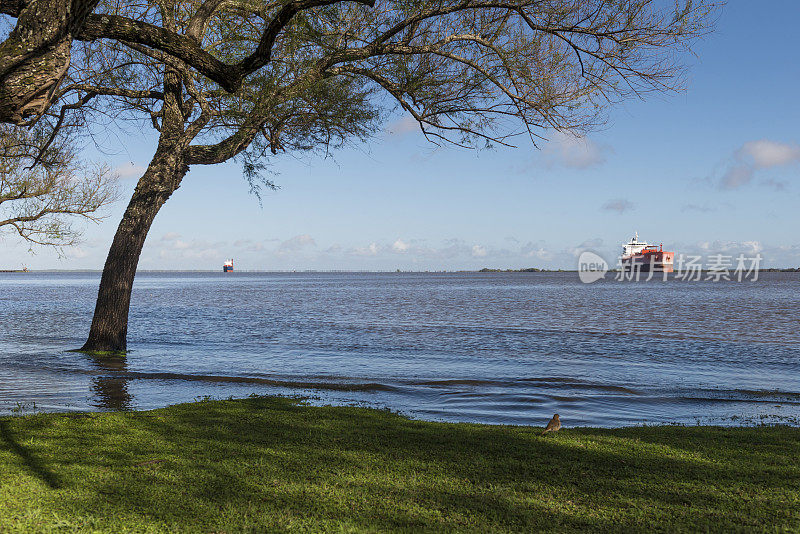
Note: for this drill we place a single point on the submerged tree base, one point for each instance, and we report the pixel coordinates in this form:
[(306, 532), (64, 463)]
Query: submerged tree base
[(273, 464), (101, 353)]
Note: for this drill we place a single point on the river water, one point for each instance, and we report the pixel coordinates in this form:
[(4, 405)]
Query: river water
[(510, 348)]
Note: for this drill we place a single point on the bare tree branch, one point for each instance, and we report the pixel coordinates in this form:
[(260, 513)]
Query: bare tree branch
[(39, 201)]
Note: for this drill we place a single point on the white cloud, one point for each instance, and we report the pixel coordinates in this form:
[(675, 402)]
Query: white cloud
[(296, 243), (737, 176), (753, 246), (370, 250), (479, 251), (620, 205), (573, 151), (453, 248), (591, 245), (173, 249), (400, 246), (757, 155), (537, 250), (765, 153), (248, 245), (404, 125), (727, 247), (76, 252), (302, 252), (129, 170)]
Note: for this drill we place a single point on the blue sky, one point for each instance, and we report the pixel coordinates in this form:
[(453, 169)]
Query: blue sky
[(713, 169)]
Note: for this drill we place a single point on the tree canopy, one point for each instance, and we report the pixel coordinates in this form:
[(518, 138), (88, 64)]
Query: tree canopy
[(305, 73), (248, 79)]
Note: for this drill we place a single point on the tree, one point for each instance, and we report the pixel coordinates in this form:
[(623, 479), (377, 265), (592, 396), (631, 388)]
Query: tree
[(42, 189), (35, 56), (247, 79)]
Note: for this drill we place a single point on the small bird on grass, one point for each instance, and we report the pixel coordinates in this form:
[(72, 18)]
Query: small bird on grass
[(553, 426)]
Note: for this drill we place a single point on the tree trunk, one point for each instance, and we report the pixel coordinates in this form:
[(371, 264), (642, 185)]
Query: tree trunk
[(35, 56), (110, 323)]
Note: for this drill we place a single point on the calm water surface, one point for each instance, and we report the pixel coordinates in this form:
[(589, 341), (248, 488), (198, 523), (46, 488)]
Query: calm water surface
[(495, 348)]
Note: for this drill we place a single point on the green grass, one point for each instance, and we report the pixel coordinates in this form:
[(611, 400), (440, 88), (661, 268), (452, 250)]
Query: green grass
[(266, 464)]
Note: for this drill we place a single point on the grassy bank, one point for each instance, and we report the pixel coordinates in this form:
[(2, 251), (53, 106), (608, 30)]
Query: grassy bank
[(271, 464)]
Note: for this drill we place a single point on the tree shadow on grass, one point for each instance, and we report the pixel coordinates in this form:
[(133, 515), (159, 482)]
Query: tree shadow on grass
[(266, 462), (29, 460)]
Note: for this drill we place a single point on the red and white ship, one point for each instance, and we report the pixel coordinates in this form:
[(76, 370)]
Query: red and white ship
[(639, 255), (227, 267)]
